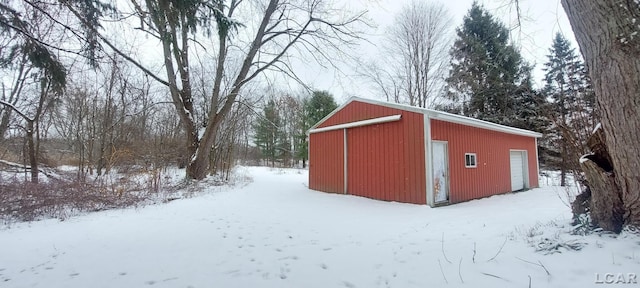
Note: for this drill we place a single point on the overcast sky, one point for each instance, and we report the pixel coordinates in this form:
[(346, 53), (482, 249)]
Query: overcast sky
[(540, 20)]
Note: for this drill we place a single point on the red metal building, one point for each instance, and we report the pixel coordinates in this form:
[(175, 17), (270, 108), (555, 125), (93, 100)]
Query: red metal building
[(401, 153)]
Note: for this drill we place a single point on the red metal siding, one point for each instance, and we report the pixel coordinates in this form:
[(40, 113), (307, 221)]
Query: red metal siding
[(492, 176), (326, 161), (385, 161)]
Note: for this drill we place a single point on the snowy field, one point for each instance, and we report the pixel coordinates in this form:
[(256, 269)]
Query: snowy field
[(272, 231)]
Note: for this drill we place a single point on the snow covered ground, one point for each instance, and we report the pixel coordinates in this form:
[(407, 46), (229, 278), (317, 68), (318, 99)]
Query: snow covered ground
[(274, 232)]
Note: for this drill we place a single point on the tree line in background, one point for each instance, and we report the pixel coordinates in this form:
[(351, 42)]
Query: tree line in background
[(280, 131), (112, 115), (77, 84), (109, 120), (72, 93)]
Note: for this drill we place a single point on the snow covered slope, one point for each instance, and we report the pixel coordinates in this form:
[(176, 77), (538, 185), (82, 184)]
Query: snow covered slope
[(274, 232)]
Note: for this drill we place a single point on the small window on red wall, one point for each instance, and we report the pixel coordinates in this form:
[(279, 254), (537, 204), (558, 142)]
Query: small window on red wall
[(470, 160)]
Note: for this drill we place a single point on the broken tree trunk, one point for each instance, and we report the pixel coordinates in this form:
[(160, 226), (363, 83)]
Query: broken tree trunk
[(605, 204)]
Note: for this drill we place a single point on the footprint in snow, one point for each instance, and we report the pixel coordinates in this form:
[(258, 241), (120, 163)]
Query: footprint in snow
[(235, 271), (324, 266), (283, 272), (348, 284), (381, 280), (170, 279), (150, 282)]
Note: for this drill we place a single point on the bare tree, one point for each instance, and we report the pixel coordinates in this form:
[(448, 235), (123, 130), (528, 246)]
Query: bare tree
[(47, 90), (292, 110), (308, 25), (20, 76), (40, 77), (387, 81), (418, 43), (268, 35)]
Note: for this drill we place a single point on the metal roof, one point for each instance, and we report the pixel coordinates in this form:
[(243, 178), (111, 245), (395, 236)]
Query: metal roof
[(437, 115)]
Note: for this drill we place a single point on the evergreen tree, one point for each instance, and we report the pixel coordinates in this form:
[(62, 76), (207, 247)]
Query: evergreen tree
[(530, 106), (267, 132), (572, 111), (317, 107), (486, 71)]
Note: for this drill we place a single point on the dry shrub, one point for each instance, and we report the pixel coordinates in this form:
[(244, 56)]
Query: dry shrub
[(60, 198)]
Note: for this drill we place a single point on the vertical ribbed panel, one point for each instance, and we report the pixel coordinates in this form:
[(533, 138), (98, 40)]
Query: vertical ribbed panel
[(385, 161), (492, 175), (326, 161)]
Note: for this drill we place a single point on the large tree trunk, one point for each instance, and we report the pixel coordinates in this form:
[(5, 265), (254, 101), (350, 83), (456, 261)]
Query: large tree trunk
[(607, 33)]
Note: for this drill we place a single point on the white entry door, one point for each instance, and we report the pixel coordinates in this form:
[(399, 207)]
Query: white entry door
[(440, 172), (517, 170)]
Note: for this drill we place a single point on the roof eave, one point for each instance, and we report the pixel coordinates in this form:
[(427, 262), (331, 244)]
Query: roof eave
[(437, 115)]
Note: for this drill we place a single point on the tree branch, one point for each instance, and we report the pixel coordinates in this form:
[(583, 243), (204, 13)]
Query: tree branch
[(14, 108), (114, 48)]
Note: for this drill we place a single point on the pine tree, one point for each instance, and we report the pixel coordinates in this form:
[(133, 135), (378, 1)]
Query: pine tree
[(317, 107), (530, 106), (486, 71), (267, 132), (572, 111)]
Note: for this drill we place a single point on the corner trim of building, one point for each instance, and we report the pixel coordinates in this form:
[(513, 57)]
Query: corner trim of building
[(427, 157), (345, 160), (537, 163)]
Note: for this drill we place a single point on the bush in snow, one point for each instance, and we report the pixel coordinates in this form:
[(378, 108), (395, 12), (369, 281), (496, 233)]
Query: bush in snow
[(557, 244), (547, 238), (64, 197)]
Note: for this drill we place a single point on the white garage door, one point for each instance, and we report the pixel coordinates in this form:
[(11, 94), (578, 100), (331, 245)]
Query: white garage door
[(517, 171)]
